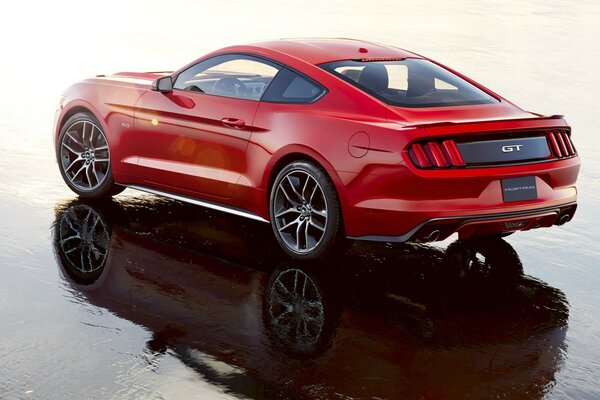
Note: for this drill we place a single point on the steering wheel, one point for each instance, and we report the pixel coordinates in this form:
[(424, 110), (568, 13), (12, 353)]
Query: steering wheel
[(232, 87)]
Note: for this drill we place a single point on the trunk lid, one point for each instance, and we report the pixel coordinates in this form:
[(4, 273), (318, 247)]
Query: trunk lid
[(503, 110)]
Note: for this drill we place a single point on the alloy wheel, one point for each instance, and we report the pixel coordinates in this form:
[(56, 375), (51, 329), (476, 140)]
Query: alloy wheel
[(85, 156), (300, 211)]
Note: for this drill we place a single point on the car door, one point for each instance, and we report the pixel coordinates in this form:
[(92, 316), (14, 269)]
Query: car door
[(193, 140)]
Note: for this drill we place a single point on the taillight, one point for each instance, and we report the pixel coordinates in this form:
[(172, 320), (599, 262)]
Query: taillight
[(436, 154), (451, 152), (561, 144)]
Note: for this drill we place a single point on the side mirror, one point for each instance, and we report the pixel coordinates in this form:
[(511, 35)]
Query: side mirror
[(163, 85)]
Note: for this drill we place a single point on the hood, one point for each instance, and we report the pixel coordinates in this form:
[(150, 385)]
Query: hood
[(139, 79)]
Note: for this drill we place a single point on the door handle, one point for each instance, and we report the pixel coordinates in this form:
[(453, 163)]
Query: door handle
[(234, 123)]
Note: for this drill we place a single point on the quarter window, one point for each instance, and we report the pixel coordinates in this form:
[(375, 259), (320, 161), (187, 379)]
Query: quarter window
[(291, 87), (233, 75)]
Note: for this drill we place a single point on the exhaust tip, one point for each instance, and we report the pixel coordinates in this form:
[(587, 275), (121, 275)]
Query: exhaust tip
[(564, 219), (433, 235)]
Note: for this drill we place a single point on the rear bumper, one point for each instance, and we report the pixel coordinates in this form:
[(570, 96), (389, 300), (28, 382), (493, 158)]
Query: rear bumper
[(481, 225), (400, 203)]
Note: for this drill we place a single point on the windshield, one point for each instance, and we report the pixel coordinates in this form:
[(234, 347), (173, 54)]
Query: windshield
[(409, 82)]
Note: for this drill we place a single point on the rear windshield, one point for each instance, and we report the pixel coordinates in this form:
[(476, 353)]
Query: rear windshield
[(410, 82)]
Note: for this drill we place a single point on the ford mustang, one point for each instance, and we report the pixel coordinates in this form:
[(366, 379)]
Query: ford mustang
[(326, 139)]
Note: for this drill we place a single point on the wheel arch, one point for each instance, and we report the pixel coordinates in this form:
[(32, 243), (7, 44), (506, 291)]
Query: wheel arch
[(74, 108), (301, 153), (73, 111)]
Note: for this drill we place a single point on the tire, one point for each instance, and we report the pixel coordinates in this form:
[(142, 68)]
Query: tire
[(83, 158), (305, 212)]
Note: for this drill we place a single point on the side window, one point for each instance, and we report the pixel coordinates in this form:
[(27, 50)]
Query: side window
[(231, 75), (291, 87)]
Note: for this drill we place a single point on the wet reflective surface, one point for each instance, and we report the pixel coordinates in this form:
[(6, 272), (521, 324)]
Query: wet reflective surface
[(148, 298), (377, 322)]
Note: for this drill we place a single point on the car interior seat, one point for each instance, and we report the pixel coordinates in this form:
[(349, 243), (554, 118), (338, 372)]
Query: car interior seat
[(374, 77)]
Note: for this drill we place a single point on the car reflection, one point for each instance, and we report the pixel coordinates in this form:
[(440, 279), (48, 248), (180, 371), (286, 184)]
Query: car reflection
[(409, 321)]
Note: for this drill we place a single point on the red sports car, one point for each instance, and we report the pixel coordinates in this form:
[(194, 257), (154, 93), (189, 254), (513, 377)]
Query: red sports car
[(326, 139)]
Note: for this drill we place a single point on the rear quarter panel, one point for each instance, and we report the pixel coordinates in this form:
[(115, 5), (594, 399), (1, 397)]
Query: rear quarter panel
[(323, 131)]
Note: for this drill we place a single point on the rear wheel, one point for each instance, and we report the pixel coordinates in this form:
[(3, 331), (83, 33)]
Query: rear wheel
[(305, 211), (84, 157)]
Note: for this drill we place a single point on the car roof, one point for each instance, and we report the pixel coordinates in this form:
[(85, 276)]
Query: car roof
[(320, 50)]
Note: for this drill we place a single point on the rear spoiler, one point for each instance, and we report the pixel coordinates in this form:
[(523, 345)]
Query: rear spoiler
[(450, 123)]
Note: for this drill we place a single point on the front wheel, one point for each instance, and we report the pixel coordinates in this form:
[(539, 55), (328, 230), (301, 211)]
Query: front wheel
[(305, 211), (84, 157)]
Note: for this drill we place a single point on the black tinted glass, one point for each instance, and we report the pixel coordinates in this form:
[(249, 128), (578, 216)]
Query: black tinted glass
[(409, 83), (291, 87)]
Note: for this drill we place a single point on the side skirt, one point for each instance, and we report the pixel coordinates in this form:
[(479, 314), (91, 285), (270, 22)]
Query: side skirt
[(214, 206)]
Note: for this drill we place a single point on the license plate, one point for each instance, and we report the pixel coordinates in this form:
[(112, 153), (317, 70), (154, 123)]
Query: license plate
[(518, 189)]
